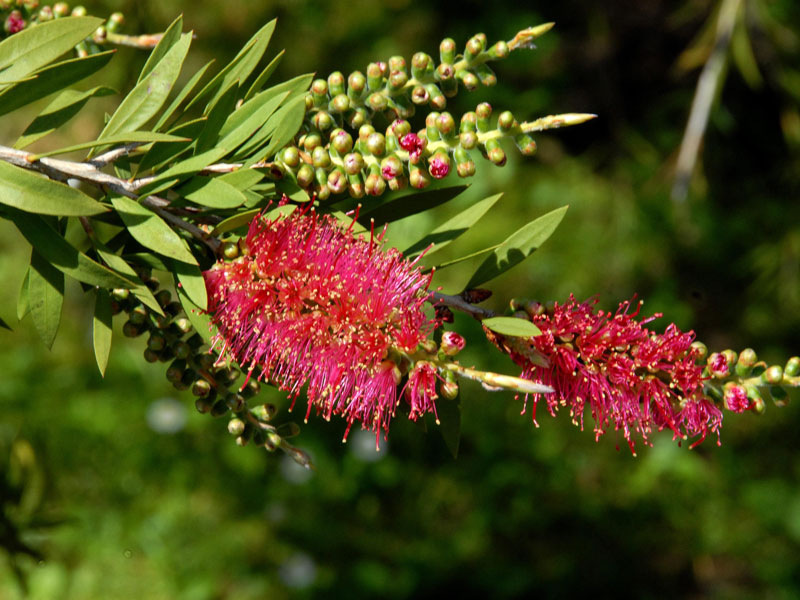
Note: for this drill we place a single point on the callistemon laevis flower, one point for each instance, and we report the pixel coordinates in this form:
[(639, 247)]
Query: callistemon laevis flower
[(311, 304), (631, 378)]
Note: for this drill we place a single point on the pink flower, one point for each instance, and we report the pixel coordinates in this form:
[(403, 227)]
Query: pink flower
[(628, 376), (439, 167), (421, 390), (312, 305), (452, 343), (412, 143), (14, 23), (736, 399)]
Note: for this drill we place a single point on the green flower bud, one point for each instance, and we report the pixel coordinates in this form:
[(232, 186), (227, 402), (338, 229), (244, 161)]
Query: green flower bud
[(474, 47), (319, 91), (421, 66), (391, 167), (526, 144), (469, 122), (355, 185), (251, 388), (447, 51), (230, 250), (353, 163), (700, 351), (356, 84), (418, 178), (731, 357), (486, 75), (203, 404), (375, 74), (746, 361), (201, 388), (182, 350), (397, 63), (397, 79), (499, 50), (495, 153), (436, 97), (483, 112), (115, 21), (400, 128), (305, 176), (264, 412), (272, 441), (339, 104), (236, 427), (465, 169), (448, 390), (175, 371), (341, 141), (468, 140), (320, 158), (219, 408), (377, 101), (468, 79), (60, 9), (337, 180), (336, 83), (419, 95), (288, 430), (311, 141), (505, 121), (445, 124), (773, 375), (236, 401), (150, 356), (204, 361), (156, 342), (323, 192), (397, 183), (322, 120), (357, 117), (792, 368), (79, 11), (376, 144), (100, 34), (374, 185), (139, 315)]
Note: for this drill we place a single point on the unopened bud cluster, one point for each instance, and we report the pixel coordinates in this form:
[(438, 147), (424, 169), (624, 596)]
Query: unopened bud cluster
[(217, 388), (740, 381), (342, 146)]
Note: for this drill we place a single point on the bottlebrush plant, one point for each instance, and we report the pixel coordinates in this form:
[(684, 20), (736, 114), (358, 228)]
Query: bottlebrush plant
[(267, 204)]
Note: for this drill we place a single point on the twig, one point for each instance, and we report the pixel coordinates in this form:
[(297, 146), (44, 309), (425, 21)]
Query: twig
[(457, 302), (707, 84)]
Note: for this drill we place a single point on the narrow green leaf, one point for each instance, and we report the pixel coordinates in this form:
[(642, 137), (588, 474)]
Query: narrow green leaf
[(5, 325), (199, 319), (46, 289), (63, 256), (449, 415), (52, 79), (183, 170), (250, 117), (239, 68), (238, 220), (264, 76), (23, 300), (212, 192), (408, 205), (280, 129), (150, 230), (148, 259), (101, 329), (63, 107), (160, 154), (517, 247), (512, 326), (168, 39), (140, 290), (34, 47), (242, 179), (293, 191), (471, 255), (452, 229), (35, 193), (191, 282), (215, 119), (178, 100), (147, 97), (143, 137)]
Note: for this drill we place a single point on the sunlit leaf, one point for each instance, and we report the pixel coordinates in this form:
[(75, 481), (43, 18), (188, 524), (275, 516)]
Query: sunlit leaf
[(517, 247), (34, 193), (264, 76), (408, 205), (150, 230), (168, 39), (23, 299), (212, 192), (512, 326), (197, 317), (192, 283), (119, 138)]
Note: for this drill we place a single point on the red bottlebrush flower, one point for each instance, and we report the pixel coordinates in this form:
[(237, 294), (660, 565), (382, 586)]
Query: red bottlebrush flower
[(736, 399), (312, 305), (412, 143), (421, 390), (629, 377)]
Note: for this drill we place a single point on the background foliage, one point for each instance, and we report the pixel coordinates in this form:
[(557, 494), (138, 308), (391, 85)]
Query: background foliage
[(129, 493)]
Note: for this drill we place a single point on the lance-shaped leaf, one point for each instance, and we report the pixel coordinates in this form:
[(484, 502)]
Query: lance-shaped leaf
[(240, 67), (101, 329), (63, 256), (250, 117), (197, 317), (215, 119), (452, 229), (517, 247), (178, 100), (183, 170), (212, 192), (150, 230), (242, 179), (63, 107), (142, 137), (34, 47), (408, 205), (191, 281), (46, 297), (34, 193), (168, 39), (51, 79), (512, 326), (147, 97), (280, 129), (141, 291), (262, 79), (238, 220), (23, 299)]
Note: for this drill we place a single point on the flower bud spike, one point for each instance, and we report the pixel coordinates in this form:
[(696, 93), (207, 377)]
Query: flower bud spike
[(447, 51), (524, 38)]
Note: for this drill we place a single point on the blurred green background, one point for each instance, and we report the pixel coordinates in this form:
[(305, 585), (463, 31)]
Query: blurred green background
[(127, 492)]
